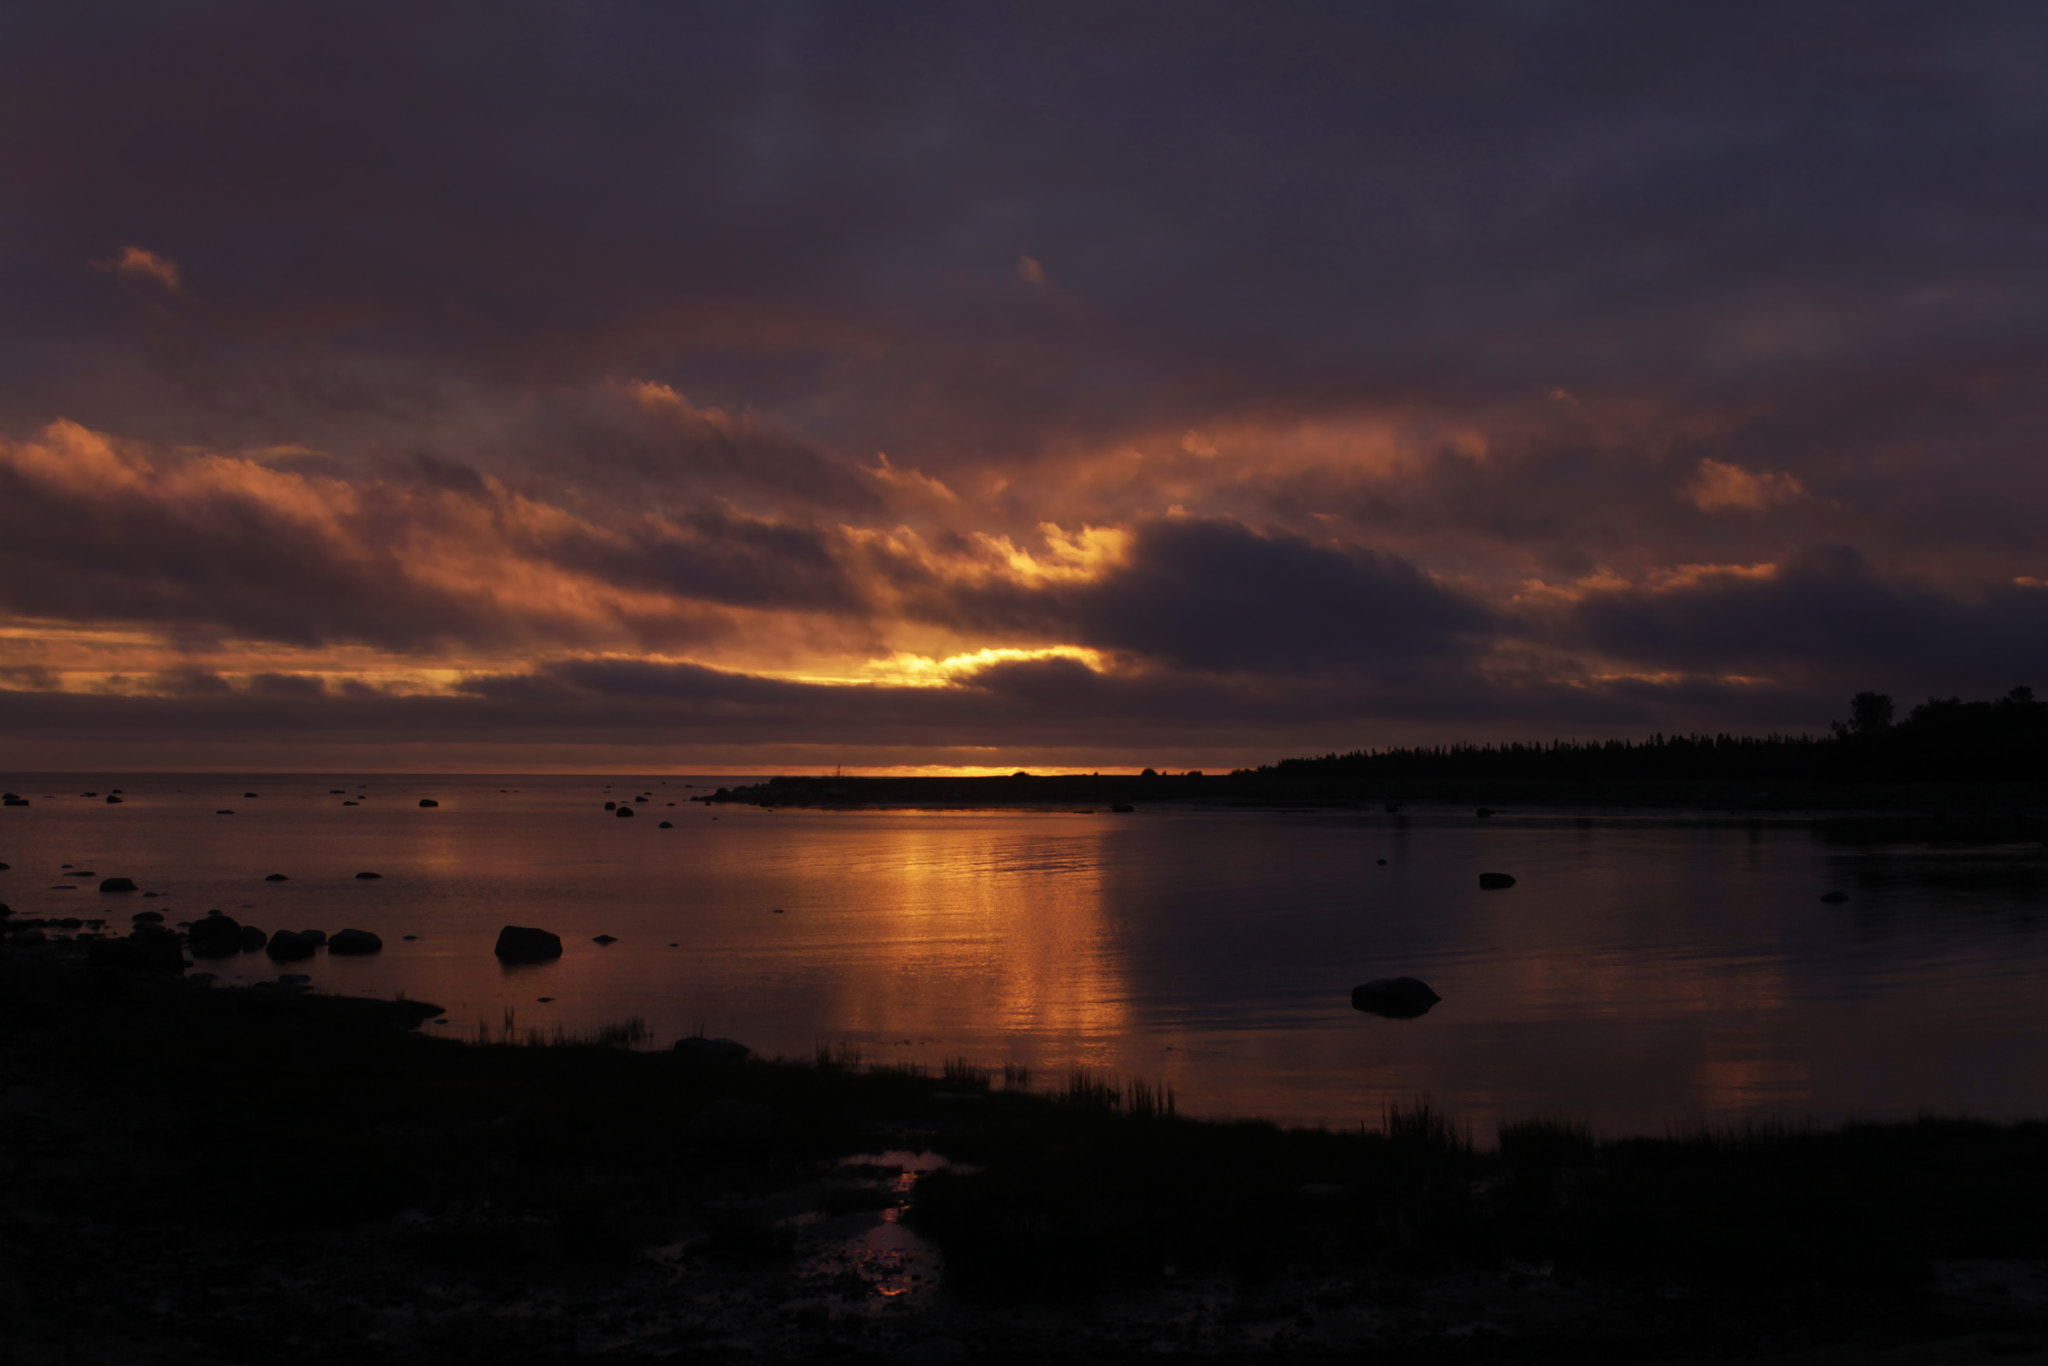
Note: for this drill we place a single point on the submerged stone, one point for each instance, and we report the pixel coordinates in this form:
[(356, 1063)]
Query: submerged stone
[(117, 884)]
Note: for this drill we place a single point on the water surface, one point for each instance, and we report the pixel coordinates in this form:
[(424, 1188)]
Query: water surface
[(1643, 975)]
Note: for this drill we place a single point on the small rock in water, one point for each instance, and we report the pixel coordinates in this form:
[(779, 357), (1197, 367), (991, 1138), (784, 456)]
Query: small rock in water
[(1396, 998), (117, 884), (666, 825), (1835, 898), (545, 1000), (408, 938), (521, 944), (148, 917), (354, 942), (224, 812), (611, 806), (428, 801), (778, 910), (113, 801), (368, 877), (605, 939), (277, 877), (624, 811), (1494, 882), (359, 804), (248, 794), (1383, 863), (336, 791)]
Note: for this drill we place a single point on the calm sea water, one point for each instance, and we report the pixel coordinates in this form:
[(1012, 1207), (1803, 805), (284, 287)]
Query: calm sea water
[(1642, 976)]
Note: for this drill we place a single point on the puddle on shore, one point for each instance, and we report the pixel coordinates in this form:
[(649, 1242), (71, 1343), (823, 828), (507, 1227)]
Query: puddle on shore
[(869, 1263)]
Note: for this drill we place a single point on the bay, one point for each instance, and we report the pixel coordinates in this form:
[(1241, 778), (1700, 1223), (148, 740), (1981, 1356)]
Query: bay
[(1644, 975)]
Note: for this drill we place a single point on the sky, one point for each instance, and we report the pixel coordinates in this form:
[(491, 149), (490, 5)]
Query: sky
[(755, 387)]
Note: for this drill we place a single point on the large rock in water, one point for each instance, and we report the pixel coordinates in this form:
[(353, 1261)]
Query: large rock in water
[(216, 936), (354, 941), (285, 946), (1397, 998), (519, 944)]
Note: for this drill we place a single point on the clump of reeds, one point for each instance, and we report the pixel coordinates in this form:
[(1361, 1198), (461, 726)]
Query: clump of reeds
[(1142, 1100), (840, 1057), (1137, 1099), (1084, 1090), (1546, 1145), (960, 1074), (1419, 1124), (1016, 1076), (633, 1030)]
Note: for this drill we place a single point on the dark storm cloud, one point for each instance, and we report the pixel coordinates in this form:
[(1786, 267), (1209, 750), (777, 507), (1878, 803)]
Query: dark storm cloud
[(1218, 597), (1826, 615), (1316, 199)]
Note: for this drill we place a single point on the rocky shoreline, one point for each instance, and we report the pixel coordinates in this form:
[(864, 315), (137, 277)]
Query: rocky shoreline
[(193, 1174)]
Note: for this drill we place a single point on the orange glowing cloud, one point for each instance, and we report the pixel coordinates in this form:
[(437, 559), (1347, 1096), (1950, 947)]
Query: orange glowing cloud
[(135, 263), (1717, 487)]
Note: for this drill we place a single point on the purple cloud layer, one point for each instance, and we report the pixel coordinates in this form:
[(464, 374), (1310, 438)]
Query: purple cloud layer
[(1299, 376)]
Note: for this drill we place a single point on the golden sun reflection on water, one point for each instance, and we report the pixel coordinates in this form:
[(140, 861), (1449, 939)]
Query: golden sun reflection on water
[(986, 921)]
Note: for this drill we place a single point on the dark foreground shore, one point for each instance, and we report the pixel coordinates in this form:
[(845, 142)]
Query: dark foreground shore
[(192, 1174), (1914, 802)]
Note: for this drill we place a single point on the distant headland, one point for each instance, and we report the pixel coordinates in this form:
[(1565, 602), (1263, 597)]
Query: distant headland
[(1945, 753)]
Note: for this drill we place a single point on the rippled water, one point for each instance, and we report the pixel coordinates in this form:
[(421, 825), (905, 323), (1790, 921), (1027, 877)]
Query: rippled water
[(1642, 975)]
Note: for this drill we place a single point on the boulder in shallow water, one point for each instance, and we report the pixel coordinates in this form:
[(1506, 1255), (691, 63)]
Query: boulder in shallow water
[(666, 825), (428, 801), (285, 946), (1397, 998), (354, 941), (605, 939), (368, 877), (314, 937), (623, 811), (277, 877), (697, 1048), (521, 944), (1494, 882), (215, 936), (252, 939), (117, 884)]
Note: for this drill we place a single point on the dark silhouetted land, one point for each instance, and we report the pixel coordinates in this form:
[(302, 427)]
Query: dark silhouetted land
[(200, 1174), (1947, 755)]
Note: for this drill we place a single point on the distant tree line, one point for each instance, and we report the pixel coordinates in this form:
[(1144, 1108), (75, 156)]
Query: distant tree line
[(1941, 740)]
